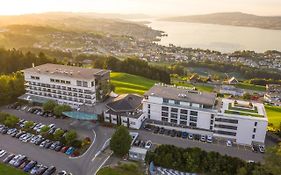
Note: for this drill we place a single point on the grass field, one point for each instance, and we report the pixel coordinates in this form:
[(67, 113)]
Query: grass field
[(250, 87), (127, 83), (274, 115), (7, 170), (125, 169)]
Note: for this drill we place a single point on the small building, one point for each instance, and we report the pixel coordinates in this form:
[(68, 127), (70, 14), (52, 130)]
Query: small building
[(125, 110), (232, 80), (273, 94), (137, 153)]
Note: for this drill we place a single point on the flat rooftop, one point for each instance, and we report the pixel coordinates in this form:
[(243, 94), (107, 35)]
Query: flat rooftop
[(182, 94), (66, 71), (243, 108)]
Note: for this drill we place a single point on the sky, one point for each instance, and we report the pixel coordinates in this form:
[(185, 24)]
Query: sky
[(149, 7)]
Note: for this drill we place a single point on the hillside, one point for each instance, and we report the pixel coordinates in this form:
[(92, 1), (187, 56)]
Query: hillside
[(127, 83), (233, 19)]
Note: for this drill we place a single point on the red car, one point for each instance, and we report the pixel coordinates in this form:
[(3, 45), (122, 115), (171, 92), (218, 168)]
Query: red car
[(64, 149)]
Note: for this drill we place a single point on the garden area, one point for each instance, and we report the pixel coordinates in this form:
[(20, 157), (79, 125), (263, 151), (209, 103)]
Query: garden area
[(122, 169)]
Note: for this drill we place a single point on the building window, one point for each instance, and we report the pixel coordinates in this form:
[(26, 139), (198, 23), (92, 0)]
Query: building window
[(193, 119), (164, 119), (177, 102), (67, 82), (254, 130), (211, 127), (148, 111), (256, 123), (174, 121), (183, 111), (195, 113), (226, 133), (57, 81), (165, 108), (79, 83), (173, 115), (165, 100), (212, 121), (212, 116), (253, 136), (52, 80), (85, 84), (92, 83), (226, 127), (192, 124), (174, 110), (148, 106), (165, 114), (183, 122), (183, 117), (226, 120)]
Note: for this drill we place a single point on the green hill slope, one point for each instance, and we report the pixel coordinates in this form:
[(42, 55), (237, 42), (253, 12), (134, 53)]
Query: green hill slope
[(127, 83)]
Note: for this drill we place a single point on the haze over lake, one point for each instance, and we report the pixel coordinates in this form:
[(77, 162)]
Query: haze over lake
[(217, 37)]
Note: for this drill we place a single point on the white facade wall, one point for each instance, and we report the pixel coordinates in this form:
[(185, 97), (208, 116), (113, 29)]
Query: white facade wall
[(134, 123), (45, 79)]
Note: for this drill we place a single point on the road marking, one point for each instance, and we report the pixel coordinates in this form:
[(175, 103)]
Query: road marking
[(102, 148), (103, 163), (88, 148)]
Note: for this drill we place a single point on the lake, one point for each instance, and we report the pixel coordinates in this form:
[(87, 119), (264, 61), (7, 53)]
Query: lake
[(217, 37)]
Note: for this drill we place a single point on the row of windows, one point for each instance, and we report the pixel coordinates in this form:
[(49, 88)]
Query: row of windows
[(82, 83), (226, 127), (175, 121), (59, 81), (226, 120), (175, 116), (182, 111), (226, 133), (35, 78)]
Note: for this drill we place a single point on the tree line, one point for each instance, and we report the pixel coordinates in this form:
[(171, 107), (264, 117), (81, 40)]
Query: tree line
[(198, 161), (246, 71), (133, 66)]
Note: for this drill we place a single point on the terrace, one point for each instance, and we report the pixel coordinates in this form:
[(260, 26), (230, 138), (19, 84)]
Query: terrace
[(242, 108)]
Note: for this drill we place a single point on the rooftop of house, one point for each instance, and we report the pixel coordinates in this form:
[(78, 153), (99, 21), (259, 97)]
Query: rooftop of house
[(125, 103), (182, 94), (67, 71)]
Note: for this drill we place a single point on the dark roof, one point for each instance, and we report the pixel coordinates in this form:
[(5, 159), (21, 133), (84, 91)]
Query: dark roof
[(69, 71), (125, 102), (182, 94)]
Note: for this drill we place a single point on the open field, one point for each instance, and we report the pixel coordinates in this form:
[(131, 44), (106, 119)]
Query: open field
[(7, 170), (250, 87), (127, 83), (274, 115), (125, 169), (198, 87)]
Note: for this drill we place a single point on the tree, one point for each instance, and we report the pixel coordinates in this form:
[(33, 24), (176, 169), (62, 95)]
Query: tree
[(58, 134), (44, 129), (273, 160), (246, 96), (28, 125), (59, 109), (70, 136), (120, 142), (11, 121), (49, 105)]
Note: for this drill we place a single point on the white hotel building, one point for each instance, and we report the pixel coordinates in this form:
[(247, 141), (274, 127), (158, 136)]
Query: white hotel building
[(74, 86), (203, 114)]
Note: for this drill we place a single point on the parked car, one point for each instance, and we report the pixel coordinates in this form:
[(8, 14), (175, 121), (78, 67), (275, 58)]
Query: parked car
[(156, 130), (35, 168), (24, 164), (62, 173), (70, 151), (228, 143), (11, 162), (261, 148), (255, 148), (161, 131), (167, 132), (48, 144), (209, 139), (20, 161), (203, 138), (148, 127), (50, 170), (41, 170), (137, 143), (190, 136), (179, 133), (173, 133), (64, 149), (148, 144), (8, 158), (2, 153), (184, 135)]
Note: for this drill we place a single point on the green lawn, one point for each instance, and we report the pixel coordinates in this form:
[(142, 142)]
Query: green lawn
[(7, 170), (124, 169), (250, 87), (274, 115), (127, 83)]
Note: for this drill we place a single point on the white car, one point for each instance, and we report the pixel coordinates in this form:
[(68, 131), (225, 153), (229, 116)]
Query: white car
[(203, 138), (14, 159), (148, 144), (2, 153), (228, 143), (209, 139), (261, 148), (190, 136)]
